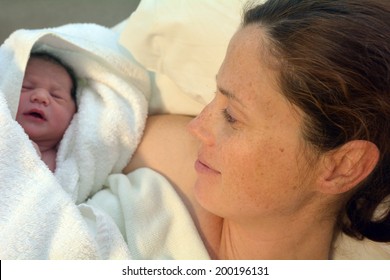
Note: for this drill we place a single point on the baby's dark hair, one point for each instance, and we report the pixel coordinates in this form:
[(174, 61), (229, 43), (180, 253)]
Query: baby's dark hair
[(52, 58)]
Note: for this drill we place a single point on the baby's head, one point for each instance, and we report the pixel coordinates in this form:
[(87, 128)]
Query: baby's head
[(47, 100), (45, 56)]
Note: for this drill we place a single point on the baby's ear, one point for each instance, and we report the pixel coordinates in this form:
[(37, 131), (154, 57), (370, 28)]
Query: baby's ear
[(347, 166)]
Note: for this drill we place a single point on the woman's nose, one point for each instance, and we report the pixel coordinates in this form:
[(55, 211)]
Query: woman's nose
[(201, 126), (41, 96)]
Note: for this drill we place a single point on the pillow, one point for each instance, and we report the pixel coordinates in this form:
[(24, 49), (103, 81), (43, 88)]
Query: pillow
[(182, 43)]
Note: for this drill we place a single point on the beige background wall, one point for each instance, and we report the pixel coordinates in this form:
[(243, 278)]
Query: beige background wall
[(16, 14)]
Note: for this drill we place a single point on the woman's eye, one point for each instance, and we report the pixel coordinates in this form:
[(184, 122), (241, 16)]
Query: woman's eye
[(228, 117)]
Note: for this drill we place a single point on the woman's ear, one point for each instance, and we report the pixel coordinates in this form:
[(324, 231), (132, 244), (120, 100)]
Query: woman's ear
[(347, 166)]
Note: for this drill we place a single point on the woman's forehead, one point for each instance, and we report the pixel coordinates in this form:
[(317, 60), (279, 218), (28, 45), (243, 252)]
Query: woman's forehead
[(244, 63)]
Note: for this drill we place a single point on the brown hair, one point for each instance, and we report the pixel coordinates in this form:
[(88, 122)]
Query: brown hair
[(334, 60)]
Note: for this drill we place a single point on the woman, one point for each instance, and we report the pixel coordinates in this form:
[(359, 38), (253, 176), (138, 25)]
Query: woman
[(294, 147)]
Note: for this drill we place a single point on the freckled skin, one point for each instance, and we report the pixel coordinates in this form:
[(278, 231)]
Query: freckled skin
[(253, 183)]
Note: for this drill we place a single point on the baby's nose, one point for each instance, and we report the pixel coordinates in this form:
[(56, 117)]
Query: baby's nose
[(41, 95)]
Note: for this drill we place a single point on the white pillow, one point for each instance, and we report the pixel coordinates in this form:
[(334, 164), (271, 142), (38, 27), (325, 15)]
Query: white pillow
[(182, 43)]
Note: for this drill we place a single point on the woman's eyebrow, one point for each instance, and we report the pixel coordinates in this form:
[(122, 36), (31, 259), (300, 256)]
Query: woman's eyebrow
[(230, 95)]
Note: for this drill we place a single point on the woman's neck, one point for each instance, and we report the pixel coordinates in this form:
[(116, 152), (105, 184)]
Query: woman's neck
[(282, 241)]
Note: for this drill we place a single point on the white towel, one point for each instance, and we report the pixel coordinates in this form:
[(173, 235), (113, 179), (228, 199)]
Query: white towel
[(112, 106), (38, 213)]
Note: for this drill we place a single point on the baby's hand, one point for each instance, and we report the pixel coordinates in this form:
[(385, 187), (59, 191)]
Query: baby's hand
[(37, 148)]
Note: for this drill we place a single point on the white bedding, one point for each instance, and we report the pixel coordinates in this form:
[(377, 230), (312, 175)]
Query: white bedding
[(151, 216)]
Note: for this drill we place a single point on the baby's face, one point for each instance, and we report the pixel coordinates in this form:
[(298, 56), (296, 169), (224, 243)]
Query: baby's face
[(46, 106)]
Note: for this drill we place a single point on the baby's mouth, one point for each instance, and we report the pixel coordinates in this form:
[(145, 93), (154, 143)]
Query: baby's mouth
[(38, 114)]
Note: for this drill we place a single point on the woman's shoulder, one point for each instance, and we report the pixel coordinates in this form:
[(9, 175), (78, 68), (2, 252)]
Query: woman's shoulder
[(167, 148)]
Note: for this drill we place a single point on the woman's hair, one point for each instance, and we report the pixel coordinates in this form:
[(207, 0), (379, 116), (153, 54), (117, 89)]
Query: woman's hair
[(53, 59), (334, 59)]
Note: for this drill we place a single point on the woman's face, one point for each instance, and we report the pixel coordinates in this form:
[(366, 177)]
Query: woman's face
[(250, 161)]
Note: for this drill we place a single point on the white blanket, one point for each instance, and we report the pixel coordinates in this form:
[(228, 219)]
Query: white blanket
[(151, 216), (41, 214)]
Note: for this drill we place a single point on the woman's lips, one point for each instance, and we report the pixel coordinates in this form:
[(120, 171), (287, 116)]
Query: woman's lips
[(201, 167)]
